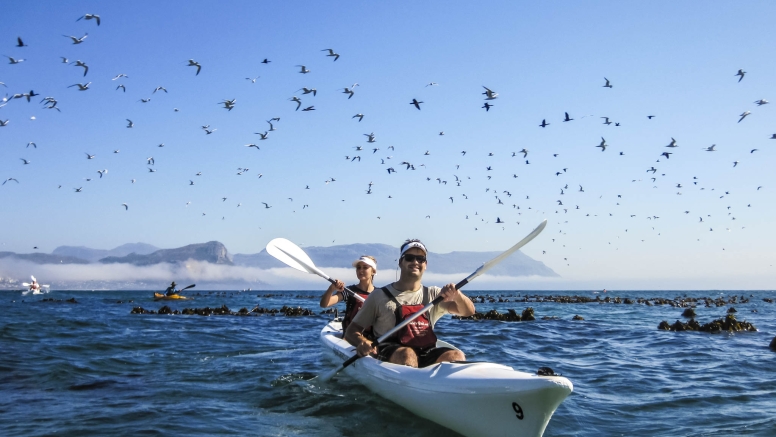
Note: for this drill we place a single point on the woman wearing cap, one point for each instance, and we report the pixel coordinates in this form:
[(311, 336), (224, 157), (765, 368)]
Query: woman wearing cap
[(171, 289), (366, 267)]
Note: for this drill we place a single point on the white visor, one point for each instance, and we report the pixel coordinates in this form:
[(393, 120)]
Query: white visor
[(366, 261), (417, 244)]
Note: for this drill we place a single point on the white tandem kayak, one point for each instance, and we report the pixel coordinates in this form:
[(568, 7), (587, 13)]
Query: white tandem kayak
[(471, 398)]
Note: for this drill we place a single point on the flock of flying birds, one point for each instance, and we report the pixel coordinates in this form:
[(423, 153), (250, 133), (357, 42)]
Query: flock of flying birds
[(299, 101)]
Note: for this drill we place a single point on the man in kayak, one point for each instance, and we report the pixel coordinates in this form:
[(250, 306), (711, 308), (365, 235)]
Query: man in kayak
[(170, 290), (366, 268), (415, 344)]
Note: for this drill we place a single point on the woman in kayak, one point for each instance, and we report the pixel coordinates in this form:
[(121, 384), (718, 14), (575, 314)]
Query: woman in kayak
[(170, 290), (415, 344), (366, 268)]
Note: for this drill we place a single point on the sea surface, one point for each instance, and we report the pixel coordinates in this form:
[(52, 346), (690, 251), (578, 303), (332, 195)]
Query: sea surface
[(93, 368)]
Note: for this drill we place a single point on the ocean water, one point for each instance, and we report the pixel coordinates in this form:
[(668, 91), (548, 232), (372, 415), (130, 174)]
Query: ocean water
[(92, 368)]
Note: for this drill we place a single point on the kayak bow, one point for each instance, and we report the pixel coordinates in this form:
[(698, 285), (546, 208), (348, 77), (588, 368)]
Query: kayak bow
[(471, 398)]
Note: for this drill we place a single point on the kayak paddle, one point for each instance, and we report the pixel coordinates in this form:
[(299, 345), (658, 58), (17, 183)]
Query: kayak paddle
[(293, 256), (482, 269), (27, 284)]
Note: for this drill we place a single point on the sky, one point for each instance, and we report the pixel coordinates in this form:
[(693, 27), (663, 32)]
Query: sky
[(610, 224)]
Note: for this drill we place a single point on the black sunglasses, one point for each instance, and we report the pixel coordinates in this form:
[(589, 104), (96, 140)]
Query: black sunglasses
[(410, 258)]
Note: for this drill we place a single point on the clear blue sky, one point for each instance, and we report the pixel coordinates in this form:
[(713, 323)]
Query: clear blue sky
[(676, 61)]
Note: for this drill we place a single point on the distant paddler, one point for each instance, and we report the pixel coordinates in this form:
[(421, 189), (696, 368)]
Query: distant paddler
[(34, 287), (171, 289), (172, 293)]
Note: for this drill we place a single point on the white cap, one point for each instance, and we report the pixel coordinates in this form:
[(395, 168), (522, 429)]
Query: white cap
[(367, 261), (412, 244)]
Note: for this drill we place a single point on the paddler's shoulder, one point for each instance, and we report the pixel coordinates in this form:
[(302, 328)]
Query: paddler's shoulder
[(395, 291), (391, 289)]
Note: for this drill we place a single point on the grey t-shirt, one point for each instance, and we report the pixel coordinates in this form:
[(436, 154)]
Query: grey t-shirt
[(379, 311)]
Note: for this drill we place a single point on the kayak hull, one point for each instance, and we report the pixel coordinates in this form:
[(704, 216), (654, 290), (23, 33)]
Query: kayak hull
[(471, 398), (160, 296)]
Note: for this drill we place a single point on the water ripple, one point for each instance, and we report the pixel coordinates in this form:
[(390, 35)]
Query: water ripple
[(92, 368)]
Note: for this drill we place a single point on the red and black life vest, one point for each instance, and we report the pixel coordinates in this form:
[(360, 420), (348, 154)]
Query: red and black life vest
[(419, 333), (352, 305)]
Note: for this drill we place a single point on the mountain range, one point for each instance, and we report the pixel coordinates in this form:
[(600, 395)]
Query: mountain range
[(212, 251), (141, 254), (518, 264), (94, 255)]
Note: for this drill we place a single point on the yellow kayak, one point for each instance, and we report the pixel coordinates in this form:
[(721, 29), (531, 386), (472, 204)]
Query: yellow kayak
[(160, 296)]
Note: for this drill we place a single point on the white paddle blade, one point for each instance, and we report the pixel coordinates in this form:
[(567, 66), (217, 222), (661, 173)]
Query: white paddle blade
[(26, 284), (33, 278), (291, 255), (487, 266)]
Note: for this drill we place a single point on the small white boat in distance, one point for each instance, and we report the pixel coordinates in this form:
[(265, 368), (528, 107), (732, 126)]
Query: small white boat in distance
[(471, 398)]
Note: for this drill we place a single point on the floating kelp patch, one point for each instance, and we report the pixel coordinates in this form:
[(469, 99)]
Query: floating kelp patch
[(71, 300), (727, 324), (298, 296), (682, 302), (509, 316), (225, 311)]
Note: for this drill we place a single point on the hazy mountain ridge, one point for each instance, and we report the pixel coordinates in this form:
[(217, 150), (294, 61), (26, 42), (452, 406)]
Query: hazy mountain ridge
[(94, 255), (212, 251), (333, 256), (44, 258), (518, 264)]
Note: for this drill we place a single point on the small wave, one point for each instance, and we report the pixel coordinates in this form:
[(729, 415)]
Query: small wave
[(93, 385), (291, 378)]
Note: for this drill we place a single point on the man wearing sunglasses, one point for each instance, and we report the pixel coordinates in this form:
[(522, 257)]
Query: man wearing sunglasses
[(415, 344)]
